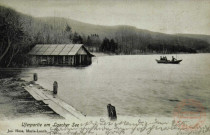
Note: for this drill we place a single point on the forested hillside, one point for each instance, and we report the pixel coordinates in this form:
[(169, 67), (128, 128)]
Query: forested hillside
[(131, 40), (20, 32)]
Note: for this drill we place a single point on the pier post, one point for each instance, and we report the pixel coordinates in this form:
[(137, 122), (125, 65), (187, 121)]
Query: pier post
[(35, 77), (111, 112), (55, 87)]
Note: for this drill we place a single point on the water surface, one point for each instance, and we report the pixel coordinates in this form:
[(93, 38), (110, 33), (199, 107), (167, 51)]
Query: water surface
[(135, 84)]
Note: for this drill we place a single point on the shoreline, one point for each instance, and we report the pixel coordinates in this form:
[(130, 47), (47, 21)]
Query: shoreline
[(16, 102), (21, 99)]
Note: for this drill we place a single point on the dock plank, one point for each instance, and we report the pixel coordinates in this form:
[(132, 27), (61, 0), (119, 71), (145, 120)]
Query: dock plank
[(59, 106), (33, 93)]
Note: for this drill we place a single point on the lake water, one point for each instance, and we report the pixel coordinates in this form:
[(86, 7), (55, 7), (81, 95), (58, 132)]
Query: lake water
[(135, 84)]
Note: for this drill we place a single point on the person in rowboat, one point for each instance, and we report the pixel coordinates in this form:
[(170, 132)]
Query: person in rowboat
[(173, 59), (165, 58)]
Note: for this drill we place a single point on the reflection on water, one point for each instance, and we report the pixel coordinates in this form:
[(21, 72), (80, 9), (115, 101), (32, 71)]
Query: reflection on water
[(134, 84)]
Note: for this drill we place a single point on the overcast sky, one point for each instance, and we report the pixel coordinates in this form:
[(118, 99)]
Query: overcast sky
[(167, 16)]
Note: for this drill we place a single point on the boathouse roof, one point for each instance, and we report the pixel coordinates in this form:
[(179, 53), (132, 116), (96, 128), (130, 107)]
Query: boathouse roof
[(57, 49)]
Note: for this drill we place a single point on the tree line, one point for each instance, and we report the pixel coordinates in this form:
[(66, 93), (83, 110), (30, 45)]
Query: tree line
[(17, 38), (92, 41), (13, 39), (19, 34)]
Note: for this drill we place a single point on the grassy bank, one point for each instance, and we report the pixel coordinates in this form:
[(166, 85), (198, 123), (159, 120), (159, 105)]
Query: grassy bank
[(15, 101)]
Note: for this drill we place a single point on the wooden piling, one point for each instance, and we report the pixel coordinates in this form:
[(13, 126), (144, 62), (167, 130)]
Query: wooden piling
[(35, 77), (111, 112), (55, 87)]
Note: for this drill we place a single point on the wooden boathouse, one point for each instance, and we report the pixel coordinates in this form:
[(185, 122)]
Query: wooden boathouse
[(60, 54)]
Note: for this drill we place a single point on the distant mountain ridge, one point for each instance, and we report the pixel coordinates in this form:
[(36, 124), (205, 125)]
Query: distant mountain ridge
[(129, 38), (87, 28), (197, 36), (115, 31)]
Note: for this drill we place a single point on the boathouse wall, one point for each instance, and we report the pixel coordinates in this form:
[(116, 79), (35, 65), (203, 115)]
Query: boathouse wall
[(66, 55)]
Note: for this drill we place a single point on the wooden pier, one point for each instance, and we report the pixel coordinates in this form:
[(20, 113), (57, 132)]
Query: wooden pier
[(56, 104)]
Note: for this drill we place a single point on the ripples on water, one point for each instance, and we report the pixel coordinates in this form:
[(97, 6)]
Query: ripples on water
[(136, 85)]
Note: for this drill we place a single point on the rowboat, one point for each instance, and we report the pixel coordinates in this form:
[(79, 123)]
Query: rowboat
[(168, 61)]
